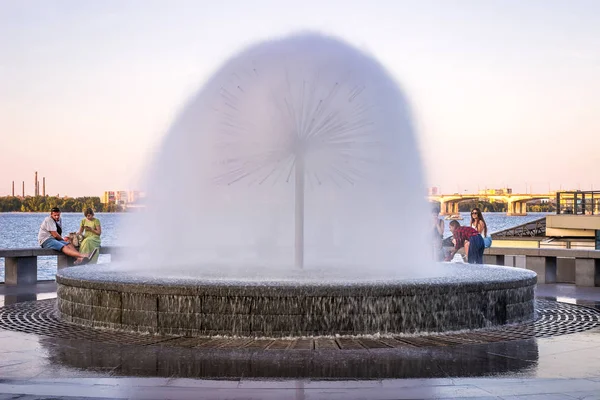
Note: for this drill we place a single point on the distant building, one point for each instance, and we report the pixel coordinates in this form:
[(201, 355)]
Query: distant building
[(108, 197), (133, 196), (496, 192), (122, 197), (434, 190)]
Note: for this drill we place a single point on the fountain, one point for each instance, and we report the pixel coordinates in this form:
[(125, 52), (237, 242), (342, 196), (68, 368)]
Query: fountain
[(287, 200)]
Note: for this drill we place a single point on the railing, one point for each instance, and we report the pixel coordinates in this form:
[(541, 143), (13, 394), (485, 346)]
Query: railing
[(528, 229), (20, 265), (578, 202)]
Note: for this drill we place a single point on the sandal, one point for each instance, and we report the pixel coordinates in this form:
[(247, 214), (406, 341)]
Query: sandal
[(92, 254), (84, 261)]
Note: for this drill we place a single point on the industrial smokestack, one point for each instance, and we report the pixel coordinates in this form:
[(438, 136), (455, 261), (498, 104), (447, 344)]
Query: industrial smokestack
[(35, 185), (44, 186), (23, 189), (13, 189)]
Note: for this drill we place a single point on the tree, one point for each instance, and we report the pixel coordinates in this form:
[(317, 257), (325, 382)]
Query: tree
[(45, 203)]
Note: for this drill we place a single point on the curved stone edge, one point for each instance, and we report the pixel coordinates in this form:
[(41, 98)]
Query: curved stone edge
[(285, 289), (308, 315)]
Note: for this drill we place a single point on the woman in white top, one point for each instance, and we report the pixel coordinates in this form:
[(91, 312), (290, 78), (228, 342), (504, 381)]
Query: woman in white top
[(477, 222)]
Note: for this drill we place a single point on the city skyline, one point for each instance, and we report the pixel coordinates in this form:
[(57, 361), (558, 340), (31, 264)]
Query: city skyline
[(20, 188), (36, 187), (504, 94)]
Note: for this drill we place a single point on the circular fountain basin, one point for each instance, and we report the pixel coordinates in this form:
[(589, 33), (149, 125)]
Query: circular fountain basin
[(294, 303)]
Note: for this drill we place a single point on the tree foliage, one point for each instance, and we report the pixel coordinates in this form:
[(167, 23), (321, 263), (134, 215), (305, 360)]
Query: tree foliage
[(45, 203), (486, 206)]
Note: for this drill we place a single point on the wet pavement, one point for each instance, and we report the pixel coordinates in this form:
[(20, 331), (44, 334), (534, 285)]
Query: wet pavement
[(36, 366)]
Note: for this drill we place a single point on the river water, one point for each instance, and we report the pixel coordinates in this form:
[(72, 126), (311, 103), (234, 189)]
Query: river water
[(18, 230)]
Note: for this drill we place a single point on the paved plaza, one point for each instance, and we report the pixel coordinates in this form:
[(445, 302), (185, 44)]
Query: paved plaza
[(557, 357)]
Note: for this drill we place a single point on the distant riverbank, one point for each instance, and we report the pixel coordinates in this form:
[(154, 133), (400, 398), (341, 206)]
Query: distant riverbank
[(45, 203)]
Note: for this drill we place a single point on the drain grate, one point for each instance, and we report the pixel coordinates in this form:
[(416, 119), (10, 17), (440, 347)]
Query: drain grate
[(552, 319)]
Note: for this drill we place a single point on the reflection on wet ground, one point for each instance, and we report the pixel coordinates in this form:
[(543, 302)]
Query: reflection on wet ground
[(39, 359), (18, 294), (494, 359)]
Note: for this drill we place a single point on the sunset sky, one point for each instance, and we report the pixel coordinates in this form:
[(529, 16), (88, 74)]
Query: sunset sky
[(504, 93)]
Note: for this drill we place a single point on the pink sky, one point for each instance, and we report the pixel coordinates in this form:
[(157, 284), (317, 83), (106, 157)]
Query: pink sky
[(503, 94)]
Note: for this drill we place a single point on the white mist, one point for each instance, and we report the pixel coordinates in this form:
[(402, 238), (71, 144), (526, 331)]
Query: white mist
[(305, 114)]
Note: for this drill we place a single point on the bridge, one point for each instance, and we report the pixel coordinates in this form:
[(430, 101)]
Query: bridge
[(517, 203)]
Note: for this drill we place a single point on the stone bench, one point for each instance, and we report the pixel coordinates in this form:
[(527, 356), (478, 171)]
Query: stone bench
[(546, 262), (20, 265)]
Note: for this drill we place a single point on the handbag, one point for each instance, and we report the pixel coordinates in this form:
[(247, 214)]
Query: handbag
[(75, 239), (487, 241)]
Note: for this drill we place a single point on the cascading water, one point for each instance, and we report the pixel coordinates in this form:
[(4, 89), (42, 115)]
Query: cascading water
[(299, 152)]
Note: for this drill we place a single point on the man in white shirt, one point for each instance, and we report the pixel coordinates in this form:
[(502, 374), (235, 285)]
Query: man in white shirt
[(49, 237)]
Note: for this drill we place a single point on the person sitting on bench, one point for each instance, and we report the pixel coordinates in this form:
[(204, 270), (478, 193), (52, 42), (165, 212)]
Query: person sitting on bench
[(49, 237)]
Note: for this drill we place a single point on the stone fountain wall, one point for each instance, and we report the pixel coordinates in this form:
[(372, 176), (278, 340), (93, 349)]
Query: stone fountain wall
[(294, 310)]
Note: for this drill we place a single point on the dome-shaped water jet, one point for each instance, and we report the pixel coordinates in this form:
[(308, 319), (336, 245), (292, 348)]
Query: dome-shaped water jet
[(288, 199)]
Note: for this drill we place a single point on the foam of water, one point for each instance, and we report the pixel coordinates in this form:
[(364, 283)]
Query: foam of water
[(226, 171)]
